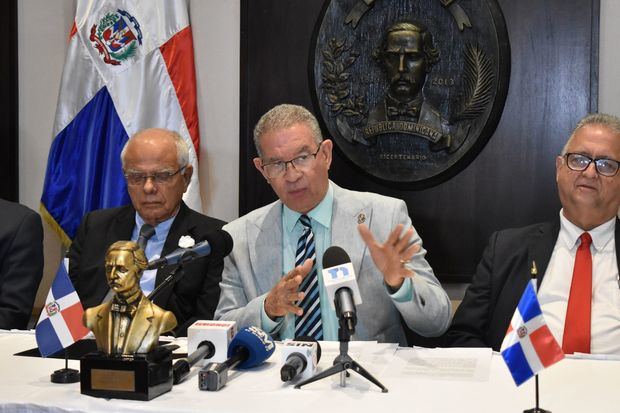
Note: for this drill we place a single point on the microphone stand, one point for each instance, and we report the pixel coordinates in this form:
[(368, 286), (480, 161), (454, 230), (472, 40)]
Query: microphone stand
[(170, 279), (343, 362)]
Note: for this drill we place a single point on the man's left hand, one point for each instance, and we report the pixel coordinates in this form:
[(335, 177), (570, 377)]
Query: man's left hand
[(392, 256)]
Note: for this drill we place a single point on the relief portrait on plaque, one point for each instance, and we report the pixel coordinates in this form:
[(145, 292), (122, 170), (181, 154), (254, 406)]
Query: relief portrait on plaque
[(411, 90)]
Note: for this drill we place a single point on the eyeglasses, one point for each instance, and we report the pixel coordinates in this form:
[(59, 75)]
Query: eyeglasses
[(301, 163), (604, 166), (163, 177)]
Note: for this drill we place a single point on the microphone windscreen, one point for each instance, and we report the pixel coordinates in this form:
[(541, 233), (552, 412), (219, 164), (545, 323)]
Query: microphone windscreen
[(221, 242), (334, 256), (258, 344), (311, 340)]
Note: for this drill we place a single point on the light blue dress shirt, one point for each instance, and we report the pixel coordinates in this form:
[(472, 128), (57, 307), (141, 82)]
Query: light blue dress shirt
[(320, 220), (153, 249)]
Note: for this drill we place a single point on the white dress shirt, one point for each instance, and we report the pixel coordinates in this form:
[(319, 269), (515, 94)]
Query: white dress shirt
[(555, 287)]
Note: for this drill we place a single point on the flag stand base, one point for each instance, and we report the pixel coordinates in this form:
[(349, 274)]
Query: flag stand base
[(65, 375)]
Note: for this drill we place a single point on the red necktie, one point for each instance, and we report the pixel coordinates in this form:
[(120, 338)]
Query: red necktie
[(577, 323)]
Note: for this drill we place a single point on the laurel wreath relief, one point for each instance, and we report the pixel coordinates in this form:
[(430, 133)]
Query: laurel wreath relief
[(478, 81), (338, 58)]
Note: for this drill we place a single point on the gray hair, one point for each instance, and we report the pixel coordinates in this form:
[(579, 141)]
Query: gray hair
[(182, 148), (609, 121), (282, 117)]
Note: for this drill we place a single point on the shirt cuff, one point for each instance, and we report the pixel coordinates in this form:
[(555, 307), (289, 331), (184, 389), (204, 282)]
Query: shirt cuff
[(402, 295), (269, 326)]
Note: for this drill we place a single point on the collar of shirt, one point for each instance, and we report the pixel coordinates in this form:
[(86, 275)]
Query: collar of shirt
[(322, 213), (601, 235)]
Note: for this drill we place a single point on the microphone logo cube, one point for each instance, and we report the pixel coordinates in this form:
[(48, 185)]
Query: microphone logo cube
[(307, 349), (220, 333), (339, 276)]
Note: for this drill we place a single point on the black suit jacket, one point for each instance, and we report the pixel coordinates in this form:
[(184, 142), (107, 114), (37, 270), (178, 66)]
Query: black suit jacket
[(21, 263), (194, 296), (490, 301)]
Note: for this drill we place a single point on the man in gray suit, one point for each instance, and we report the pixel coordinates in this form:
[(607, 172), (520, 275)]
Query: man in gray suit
[(272, 277)]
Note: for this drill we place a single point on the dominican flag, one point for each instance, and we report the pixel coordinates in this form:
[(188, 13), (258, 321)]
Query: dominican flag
[(129, 66), (60, 322), (529, 345)]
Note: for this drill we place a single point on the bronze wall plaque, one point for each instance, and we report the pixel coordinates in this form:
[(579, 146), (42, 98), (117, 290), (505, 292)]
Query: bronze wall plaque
[(411, 90)]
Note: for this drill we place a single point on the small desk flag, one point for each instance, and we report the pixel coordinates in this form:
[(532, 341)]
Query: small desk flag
[(60, 322), (529, 345)]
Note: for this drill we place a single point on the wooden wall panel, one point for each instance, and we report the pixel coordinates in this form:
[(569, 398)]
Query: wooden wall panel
[(554, 55)]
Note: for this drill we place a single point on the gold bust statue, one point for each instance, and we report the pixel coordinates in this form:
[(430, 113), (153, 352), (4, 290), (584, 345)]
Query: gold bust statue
[(130, 323)]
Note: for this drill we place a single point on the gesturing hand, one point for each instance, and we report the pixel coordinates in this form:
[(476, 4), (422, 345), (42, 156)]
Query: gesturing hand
[(391, 256), (283, 297)]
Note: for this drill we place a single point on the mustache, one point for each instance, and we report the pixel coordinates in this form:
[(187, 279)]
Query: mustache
[(403, 77)]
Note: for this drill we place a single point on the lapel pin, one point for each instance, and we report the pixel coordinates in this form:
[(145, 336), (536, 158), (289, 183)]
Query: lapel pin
[(361, 218)]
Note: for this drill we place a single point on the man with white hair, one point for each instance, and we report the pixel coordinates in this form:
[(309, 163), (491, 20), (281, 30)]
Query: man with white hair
[(157, 169)]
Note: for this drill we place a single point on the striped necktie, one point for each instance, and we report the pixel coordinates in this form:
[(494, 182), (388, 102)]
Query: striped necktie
[(309, 324)]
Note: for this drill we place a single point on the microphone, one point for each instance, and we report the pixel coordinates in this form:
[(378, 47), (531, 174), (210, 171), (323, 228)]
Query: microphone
[(249, 348), (300, 356), (181, 367), (206, 341), (219, 333), (341, 286), (218, 243)]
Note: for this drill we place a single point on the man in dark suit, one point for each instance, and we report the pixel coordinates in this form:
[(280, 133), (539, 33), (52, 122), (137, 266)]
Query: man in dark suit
[(587, 229), (21, 263), (156, 166)]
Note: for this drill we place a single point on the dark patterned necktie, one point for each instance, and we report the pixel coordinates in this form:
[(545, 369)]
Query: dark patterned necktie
[(146, 232), (309, 324)]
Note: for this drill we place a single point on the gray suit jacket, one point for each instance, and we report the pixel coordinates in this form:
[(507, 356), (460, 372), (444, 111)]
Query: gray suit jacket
[(255, 264)]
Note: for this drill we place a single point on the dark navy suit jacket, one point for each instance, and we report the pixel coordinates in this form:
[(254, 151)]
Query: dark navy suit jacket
[(194, 296)]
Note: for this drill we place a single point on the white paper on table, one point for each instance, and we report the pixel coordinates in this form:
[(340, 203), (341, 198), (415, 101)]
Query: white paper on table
[(370, 354), (461, 364)]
